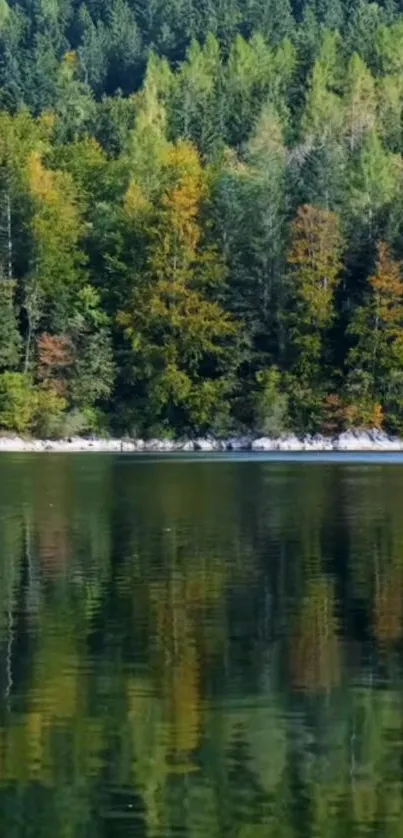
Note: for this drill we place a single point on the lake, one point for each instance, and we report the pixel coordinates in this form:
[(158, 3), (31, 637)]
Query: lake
[(201, 647)]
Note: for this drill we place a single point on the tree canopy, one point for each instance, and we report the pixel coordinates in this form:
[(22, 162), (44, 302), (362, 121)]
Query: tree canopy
[(200, 215)]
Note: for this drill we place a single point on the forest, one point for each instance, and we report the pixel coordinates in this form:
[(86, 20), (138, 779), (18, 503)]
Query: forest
[(201, 212)]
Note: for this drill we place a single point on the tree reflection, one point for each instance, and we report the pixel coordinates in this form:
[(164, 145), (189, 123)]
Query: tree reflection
[(187, 652)]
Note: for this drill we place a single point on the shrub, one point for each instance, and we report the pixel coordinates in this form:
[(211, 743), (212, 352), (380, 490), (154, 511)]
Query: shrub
[(18, 401), (363, 409), (48, 413), (271, 403), (88, 420), (364, 414)]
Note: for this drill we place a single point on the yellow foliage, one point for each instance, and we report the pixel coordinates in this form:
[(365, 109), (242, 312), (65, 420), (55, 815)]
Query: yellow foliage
[(186, 698), (42, 181), (35, 741), (315, 257), (387, 285), (71, 59), (316, 651), (47, 121), (389, 607), (136, 202), (173, 322), (56, 225), (364, 414), (20, 135)]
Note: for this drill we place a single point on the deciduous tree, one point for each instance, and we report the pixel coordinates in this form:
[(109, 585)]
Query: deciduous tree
[(183, 342)]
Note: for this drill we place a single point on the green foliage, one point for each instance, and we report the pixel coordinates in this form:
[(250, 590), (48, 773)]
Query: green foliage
[(315, 265), (323, 115), (193, 193), (378, 349), (49, 409), (93, 368), (18, 401), (271, 404), (10, 338), (182, 341), (77, 421)]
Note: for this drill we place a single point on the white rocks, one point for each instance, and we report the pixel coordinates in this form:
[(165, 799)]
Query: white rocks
[(318, 443), (290, 443), (239, 443), (204, 445), (367, 441), (131, 445), (382, 441), (352, 441), (373, 440), (12, 443), (159, 445), (264, 443), (210, 444), (283, 443), (186, 446), (348, 441)]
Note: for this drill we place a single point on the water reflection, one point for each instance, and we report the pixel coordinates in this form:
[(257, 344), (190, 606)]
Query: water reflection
[(200, 649)]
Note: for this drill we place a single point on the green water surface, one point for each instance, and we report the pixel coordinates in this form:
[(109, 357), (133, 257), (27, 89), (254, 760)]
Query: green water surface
[(201, 647)]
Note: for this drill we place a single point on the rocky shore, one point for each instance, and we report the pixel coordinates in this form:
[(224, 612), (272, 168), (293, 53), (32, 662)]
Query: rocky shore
[(374, 440)]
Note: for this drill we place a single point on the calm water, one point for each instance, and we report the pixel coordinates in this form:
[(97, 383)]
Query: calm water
[(200, 649)]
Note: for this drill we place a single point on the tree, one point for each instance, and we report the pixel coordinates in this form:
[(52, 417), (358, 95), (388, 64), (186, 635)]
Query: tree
[(196, 104), (323, 118), (17, 401), (389, 45), (373, 178), (10, 339), (274, 19), (315, 267), (74, 106), (390, 107), (54, 361), (148, 141), (359, 102), (93, 50), (183, 342), (377, 330), (315, 263), (124, 49), (57, 259), (93, 370), (249, 73), (249, 217)]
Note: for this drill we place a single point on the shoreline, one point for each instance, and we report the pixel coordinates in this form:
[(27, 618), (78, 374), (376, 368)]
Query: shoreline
[(358, 441)]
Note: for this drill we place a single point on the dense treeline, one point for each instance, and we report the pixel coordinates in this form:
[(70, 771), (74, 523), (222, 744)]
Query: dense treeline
[(200, 216)]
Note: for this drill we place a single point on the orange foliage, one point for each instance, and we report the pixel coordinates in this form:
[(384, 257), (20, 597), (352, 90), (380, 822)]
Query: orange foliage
[(334, 413), (364, 415), (338, 414), (387, 285), (55, 356)]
